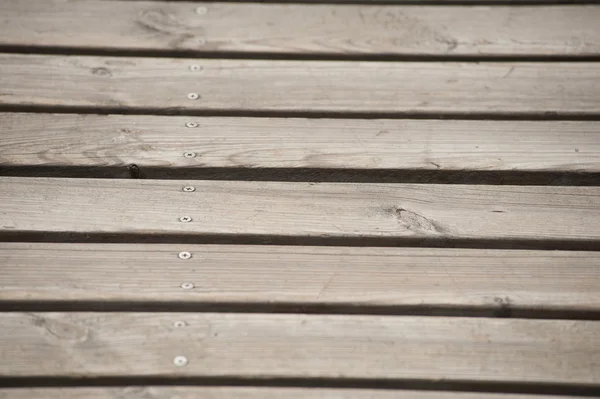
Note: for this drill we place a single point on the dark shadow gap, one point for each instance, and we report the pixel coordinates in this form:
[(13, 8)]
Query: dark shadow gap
[(268, 56), (503, 310), (543, 388), (264, 239), (181, 111), (309, 175)]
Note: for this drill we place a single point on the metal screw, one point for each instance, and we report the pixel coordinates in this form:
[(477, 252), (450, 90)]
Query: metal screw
[(195, 68), (189, 154), (201, 10), (189, 189), (191, 124), (193, 96), (179, 324), (187, 286), (180, 361), (184, 255), (185, 219)]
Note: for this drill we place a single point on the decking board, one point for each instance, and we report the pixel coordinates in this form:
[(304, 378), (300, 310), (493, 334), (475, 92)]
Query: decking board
[(158, 392), (155, 144), (151, 85), (426, 280), (267, 210), (296, 346), (304, 29)]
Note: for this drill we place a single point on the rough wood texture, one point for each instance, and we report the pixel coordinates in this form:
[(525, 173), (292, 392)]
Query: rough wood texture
[(494, 280), (155, 392), (317, 87), (296, 346), (155, 141), (299, 209), (302, 28)]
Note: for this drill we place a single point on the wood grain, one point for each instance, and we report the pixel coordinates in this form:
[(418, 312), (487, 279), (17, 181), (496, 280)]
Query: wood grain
[(157, 392), (302, 28), (300, 346), (492, 281), (159, 142), (293, 87), (321, 210)]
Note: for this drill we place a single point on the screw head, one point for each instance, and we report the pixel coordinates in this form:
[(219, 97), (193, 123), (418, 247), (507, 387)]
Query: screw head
[(201, 10), (191, 124), (189, 189), (179, 324), (184, 255), (193, 96), (180, 361), (185, 219), (195, 68), (187, 286), (188, 154)]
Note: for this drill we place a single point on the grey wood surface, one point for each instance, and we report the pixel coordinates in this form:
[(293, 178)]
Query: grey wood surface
[(159, 141), (209, 392), (322, 210), (300, 346), (488, 280), (359, 29), (290, 87)]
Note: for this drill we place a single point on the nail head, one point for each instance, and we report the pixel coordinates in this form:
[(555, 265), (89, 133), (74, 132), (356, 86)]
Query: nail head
[(188, 154), (187, 286), (185, 219), (201, 10), (191, 124), (179, 324), (193, 96), (180, 361), (189, 189), (184, 255), (195, 67)]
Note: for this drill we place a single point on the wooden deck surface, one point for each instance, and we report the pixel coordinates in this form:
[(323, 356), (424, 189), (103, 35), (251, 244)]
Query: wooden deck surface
[(346, 199)]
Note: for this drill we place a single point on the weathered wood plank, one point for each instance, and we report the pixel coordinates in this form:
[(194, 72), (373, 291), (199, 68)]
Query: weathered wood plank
[(317, 87), (302, 28), (492, 281), (158, 142), (209, 392), (300, 346), (296, 210)]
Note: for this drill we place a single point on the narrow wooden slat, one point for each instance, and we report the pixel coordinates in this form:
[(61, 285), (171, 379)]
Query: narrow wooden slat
[(317, 87), (159, 142), (493, 281), (300, 346), (156, 392), (267, 209), (302, 28)]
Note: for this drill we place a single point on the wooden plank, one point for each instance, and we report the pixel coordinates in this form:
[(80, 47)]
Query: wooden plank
[(153, 142), (169, 27), (209, 392), (300, 346), (296, 210), (506, 282), (317, 87)]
